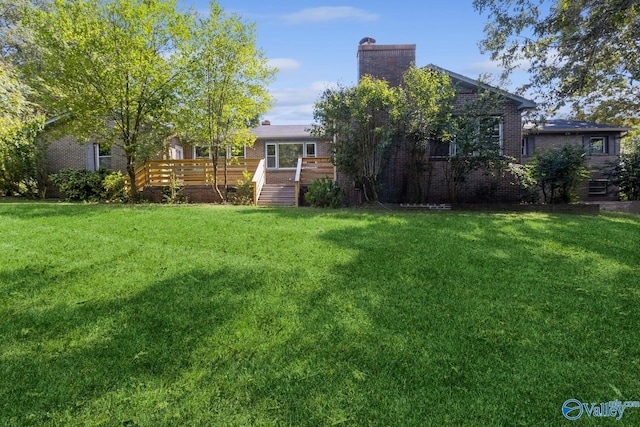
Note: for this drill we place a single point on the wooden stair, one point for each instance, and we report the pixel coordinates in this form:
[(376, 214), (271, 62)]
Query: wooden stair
[(277, 195)]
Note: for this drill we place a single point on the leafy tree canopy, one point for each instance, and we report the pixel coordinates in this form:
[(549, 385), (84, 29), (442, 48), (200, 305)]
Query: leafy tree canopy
[(363, 120), (584, 53), (224, 87), (20, 122)]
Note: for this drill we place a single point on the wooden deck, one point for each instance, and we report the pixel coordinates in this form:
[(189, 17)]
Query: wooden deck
[(161, 173), (199, 172)]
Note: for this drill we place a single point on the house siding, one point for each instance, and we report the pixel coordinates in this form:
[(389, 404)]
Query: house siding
[(390, 62), (67, 152), (598, 164), (277, 176)]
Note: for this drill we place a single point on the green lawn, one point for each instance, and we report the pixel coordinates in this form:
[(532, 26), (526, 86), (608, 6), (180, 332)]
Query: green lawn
[(208, 315)]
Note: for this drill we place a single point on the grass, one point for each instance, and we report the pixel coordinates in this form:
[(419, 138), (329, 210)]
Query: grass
[(205, 315)]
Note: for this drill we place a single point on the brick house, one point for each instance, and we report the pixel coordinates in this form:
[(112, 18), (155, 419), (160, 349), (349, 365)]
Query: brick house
[(600, 142), (389, 62), (280, 146)]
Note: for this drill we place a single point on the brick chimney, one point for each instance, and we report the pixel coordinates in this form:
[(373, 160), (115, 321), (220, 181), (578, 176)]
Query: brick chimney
[(386, 62)]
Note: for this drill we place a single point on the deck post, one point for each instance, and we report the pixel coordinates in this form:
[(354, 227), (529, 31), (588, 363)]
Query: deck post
[(296, 183)]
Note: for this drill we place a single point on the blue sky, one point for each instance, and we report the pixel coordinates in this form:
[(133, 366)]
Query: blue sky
[(314, 43)]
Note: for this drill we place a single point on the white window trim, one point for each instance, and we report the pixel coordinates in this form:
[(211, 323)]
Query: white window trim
[(97, 157), (453, 146)]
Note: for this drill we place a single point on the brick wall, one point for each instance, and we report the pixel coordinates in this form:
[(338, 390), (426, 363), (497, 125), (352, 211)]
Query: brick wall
[(385, 62), (66, 152), (596, 163), (398, 181)]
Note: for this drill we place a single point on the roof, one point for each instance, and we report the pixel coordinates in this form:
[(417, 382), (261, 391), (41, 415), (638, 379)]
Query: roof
[(564, 126), (280, 132), (470, 83)]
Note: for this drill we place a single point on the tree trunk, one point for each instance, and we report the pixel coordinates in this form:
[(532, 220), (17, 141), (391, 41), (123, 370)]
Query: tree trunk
[(131, 172)]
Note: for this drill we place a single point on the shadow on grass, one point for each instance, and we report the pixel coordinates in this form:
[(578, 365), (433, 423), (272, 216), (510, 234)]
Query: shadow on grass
[(50, 209), (466, 318), (58, 359), (454, 319)]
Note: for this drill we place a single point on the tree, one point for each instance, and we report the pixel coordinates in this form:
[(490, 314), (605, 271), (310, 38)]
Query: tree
[(363, 121), (582, 52), (558, 171), (16, 39), (21, 158), (224, 86), (475, 143), (626, 172), (112, 65), (427, 111)]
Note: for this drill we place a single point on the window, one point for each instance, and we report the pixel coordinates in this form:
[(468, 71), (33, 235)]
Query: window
[(200, 152), (102, 155), (237, 152), (441, 149), (488, 134), (597, 144), (284, 155), (528, 145), (494, 127), (203, 152)]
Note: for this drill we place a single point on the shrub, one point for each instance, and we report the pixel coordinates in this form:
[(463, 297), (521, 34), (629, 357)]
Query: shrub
[(558, 171), (323, 192), (626, 172), (88, 186), (523, 175), (115, 187), (22, 161), (173, 193), (243, 194), (78, 184)]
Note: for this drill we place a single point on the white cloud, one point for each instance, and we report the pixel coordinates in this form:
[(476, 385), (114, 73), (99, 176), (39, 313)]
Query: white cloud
[(294, 105), (327, 13), (484, 67), (284, 64)]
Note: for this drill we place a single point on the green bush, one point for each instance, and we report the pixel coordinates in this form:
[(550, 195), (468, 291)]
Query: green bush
[(88, 186), (173, 193), (115, 187), (626, 172), (22, 161), (322, 193), (523, 176), (558, 171), (243, 194)]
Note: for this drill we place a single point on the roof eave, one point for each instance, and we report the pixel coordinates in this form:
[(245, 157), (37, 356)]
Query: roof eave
[(522, 103)]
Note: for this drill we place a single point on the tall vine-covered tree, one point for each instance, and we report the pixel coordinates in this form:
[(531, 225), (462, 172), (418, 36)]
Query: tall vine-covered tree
[(428, 99), (224, 86), (112, 65), (582, 52), (363, 121)]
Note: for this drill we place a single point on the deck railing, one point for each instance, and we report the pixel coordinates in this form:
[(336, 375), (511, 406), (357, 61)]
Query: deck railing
[(164, 173), (296, 183), (313, 168), (161, 173), (259, 179)]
